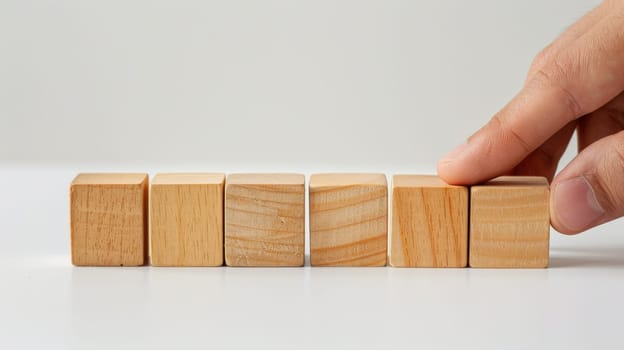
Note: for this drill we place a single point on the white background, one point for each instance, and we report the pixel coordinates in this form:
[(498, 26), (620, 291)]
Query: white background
[(386, 86)]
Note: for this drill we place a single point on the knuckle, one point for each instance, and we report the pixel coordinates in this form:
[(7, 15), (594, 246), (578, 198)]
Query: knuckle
[(612, 3), (556, 75), (508, 133), (541, 58)]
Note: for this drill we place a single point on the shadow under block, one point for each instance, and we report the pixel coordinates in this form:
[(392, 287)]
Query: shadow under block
[(108, 219), (510, 223), (429, 223), (348, 220), (186, 219), (265, 220)]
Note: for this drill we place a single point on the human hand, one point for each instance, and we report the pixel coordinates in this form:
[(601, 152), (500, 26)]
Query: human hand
[(576, 83)]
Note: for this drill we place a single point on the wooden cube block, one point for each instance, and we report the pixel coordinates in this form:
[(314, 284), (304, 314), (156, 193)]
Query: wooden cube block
[(429, 222), (108, 215), (510, 223), (186, 219), (348, 219), (265, 220)]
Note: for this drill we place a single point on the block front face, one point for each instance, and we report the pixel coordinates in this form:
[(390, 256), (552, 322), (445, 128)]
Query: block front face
[(510, 223), (186, 219), (429, 223), (108, 215), (348, 219), (265, 220)]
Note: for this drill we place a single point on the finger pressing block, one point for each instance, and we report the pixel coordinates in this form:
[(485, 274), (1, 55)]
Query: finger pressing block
[(510, 223), (429, 222), (186, 219), (265, 220), (348, 219), (108, 215)]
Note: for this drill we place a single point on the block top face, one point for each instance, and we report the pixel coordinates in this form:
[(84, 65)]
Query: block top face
[(347, 179), (109, 179), (404, 180), (188, 179), (266, 179), (515, 182)]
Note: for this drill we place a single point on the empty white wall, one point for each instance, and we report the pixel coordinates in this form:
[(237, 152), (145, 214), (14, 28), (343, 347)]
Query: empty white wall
[(334, 83)]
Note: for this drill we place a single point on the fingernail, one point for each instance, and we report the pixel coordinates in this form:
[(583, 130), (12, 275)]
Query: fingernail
[(456, 152), (576, 204)]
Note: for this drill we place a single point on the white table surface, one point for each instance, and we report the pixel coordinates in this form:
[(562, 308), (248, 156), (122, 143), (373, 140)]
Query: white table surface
[(45, 302)]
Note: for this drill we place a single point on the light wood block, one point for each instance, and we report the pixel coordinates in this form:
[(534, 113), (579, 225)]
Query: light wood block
[(510, 223), (265, 220), (186, 219), (108, 219), (348, 219), (429, 222)]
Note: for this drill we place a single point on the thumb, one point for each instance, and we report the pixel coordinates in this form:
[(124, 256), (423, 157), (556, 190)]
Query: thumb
[(590, 190)]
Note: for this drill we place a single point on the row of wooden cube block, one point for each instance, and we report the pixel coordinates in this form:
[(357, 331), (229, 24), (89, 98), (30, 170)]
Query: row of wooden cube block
[(259, 220)]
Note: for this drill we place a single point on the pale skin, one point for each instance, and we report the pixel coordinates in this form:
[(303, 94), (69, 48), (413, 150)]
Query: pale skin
[(575, 83)]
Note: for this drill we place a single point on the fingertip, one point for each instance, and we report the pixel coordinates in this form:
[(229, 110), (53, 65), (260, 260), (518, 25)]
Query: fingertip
[(449, 166), (555, 222), (460, 171), (446, 171), (573, 206)]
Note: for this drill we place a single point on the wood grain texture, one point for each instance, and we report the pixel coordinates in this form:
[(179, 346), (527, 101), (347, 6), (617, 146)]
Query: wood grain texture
[(429, 226), (510, 223), (108, 219), (265, 220), (186, 219), (348, 219)]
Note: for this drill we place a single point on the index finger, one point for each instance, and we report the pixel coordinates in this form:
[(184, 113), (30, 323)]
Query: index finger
[(575, 82)]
